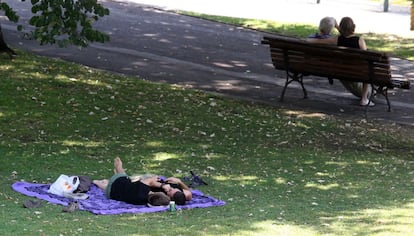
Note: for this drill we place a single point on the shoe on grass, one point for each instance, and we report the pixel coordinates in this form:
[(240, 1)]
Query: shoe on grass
[(32, 204), (367, 103), (73, 206), (78, 196)]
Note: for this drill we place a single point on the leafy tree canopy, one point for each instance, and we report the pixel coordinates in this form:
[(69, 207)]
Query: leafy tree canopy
[(63, 21)]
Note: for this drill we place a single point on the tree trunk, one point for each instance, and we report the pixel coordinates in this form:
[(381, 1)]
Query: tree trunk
[(412, 15), (4, 47), (386, 5)]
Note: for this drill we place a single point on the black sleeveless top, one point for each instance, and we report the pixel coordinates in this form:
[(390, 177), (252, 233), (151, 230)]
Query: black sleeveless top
[(351, 42), (131, 192)]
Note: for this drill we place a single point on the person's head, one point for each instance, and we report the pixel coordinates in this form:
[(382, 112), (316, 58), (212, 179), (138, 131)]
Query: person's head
[(176, 195), (158, 199), (327, 24), (179, 198), (346, 26)]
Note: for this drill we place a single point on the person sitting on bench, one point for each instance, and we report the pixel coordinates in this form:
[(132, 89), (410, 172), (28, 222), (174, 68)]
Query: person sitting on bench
[(326, 26)]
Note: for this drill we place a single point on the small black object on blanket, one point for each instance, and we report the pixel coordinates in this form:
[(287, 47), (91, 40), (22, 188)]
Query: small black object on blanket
[(195, 180), (84, 185)]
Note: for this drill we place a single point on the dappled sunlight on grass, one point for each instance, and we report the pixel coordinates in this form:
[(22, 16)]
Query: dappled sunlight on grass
[(53, 71), (269, 227), (301, 30), (381, 221), (280, 180), (73, 143), (82, 80), (396, 2), (155, 144), (321, 186), (392, 44), (246, 179), (162, 156), (303, 114), (337, 163), (7, 67)]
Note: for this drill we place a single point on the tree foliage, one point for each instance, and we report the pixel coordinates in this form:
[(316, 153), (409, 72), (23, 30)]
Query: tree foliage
[(63, 22)]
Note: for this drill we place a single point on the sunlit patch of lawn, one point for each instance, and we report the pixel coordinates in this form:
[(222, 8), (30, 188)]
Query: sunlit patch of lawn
[(394, 45), (396, 2)]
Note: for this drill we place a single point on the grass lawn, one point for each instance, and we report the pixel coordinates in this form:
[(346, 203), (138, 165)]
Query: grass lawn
[(394, 45), (281, 172), (396, 2)]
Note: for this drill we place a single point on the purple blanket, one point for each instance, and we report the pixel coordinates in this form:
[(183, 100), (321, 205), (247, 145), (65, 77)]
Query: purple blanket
[(97, 202)]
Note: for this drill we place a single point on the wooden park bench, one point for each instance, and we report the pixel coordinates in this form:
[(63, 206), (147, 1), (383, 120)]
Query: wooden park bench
[(300, 58)]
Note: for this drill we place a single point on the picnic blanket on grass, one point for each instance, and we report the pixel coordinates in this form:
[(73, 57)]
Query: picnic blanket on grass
[(99, 204)]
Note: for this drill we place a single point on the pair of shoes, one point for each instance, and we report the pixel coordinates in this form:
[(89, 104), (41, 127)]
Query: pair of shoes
[(401, 83), (32, 204), (79, 196), (367, 103), (73, 206), (152, 206)]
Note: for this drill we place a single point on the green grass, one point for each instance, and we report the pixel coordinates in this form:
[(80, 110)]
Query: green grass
[(392, 44), (280, 171), (396, 2)]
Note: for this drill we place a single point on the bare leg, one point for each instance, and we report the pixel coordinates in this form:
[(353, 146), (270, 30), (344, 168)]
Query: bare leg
[(102, 184), (364, 97), (118, 169)]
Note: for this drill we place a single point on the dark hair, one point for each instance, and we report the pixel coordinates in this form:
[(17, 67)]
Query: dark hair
[(346, 26), (158, 199), (179, 198)]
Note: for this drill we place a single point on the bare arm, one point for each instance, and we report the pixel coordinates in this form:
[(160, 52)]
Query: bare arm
[(186, 190), (362, 44), (153, 182), (177, 181)]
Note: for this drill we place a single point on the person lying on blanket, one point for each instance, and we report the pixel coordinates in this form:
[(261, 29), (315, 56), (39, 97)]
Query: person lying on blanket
[(148, 189)]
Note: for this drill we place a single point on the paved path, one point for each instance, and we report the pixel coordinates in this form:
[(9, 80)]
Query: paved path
[(162, 46)]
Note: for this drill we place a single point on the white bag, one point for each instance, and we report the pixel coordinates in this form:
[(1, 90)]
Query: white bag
[(64, 184)]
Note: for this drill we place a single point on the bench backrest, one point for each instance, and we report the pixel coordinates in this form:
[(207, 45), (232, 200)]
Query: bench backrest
[(296, 55)]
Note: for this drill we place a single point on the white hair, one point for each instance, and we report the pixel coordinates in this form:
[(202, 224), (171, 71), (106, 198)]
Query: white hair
[(326, 24)]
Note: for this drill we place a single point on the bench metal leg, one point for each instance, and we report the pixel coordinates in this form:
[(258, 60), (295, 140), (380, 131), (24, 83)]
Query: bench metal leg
[(388, 101), (371, 95), (384, 92), (290, 77)]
